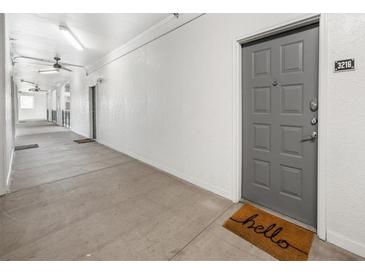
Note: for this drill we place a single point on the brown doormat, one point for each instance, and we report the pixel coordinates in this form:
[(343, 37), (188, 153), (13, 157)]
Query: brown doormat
[(281, 239), (25, 147), (83, 141)]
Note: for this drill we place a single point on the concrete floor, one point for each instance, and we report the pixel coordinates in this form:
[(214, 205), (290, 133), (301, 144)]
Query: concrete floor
[(74, 201), (30, 127)]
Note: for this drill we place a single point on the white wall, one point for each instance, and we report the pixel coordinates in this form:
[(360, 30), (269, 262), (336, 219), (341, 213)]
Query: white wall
[(79, 103), (170, 104), (346, 134), (6, 124), (39, 112), (2, 106), (54, 99)]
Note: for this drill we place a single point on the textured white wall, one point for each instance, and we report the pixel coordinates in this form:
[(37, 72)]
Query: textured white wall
[(53, 99), (346, 135), (39, 112), (6, 125), (2, 107), (79, 103), (169, 103)]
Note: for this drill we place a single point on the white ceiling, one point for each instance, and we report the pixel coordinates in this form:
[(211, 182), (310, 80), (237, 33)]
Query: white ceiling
[(38, 35)]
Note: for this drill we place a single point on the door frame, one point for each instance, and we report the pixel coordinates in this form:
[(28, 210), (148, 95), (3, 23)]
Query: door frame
[(91, 125), (322, 110)]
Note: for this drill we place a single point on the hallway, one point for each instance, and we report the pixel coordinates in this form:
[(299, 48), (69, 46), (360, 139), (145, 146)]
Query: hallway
[(30, 127), (74, 201), (209, 136)]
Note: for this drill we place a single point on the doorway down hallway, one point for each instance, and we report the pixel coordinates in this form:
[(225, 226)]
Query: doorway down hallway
[(72, 201)]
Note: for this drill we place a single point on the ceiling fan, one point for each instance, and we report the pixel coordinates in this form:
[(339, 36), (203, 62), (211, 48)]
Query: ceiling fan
[(36, 87), (56, 65)]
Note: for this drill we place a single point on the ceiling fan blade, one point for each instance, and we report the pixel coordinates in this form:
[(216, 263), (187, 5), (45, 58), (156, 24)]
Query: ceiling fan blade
[(67, 69), (48, 65), (51, 62), (29, 82), (33, 58), (70, 65), (33, 63)]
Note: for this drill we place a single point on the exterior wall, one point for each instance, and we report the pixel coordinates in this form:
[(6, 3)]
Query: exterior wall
[(170, 103), (346, 134), (2, 107), (53, 100), (80, 103), (6, 123)]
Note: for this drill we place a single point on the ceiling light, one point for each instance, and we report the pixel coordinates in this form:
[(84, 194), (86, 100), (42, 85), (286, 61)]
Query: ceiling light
[(71, 38), (49, 71)]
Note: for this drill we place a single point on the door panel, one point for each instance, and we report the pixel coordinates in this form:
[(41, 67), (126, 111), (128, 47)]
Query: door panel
[(280, 78)]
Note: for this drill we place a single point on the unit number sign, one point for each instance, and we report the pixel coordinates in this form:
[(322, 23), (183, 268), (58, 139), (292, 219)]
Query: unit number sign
[(344, 65)]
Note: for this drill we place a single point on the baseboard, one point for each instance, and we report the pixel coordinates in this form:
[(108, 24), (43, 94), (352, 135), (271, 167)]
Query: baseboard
[(346, 243), (186, 177)]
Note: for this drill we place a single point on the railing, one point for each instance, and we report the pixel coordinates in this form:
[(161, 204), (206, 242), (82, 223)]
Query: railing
[(54, 116)]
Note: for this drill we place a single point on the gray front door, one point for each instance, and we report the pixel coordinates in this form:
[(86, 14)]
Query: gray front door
[(280, 82)]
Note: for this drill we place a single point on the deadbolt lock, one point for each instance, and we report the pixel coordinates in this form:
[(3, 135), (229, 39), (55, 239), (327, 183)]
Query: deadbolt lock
[(314, 121), (313, 105)]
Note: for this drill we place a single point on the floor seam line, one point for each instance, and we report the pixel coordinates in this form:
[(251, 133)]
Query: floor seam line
[(204, 229), (58, 180), (71, 223), (54, 164), (46, 153)]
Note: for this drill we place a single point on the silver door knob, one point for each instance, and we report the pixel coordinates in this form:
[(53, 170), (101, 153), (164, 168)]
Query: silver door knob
[(311, 137)]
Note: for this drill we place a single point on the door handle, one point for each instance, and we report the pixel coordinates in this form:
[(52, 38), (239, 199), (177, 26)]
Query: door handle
[(311, 137)]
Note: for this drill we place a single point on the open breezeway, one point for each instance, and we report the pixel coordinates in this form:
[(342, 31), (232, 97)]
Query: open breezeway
[(163, 136), (74, 201)]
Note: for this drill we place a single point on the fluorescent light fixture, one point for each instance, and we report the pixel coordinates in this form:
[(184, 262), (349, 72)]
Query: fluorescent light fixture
[(49, 71), (71, 38)]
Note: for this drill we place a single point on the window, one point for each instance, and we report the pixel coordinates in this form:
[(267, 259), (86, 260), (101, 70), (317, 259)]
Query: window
[(26, 102)]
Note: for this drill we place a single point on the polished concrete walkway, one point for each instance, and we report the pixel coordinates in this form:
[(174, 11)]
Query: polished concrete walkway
[(74, 201)]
